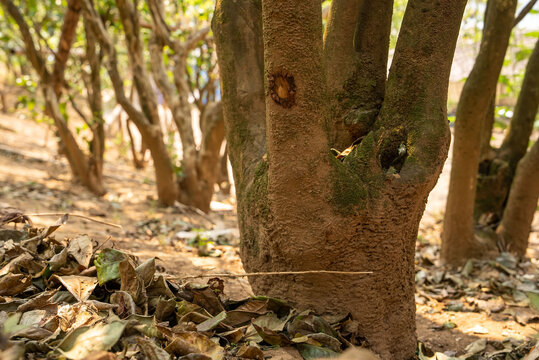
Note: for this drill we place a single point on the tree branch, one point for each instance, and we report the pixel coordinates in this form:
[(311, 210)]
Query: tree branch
[(525, 10), (356, 46), (31, 51), (111, 63), (416, 90), (69, 28)]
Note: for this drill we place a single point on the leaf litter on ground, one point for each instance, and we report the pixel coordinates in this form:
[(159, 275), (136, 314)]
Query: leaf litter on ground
[(73, 300)]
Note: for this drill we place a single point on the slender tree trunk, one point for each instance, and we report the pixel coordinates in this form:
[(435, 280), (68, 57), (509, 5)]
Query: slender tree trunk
[(199, 168), (486, 151), (69, 27), (517, 219), (497, 173), (147, 120), (299, 207), (458, 240), (95, 100), (80, 165), (516, 141)]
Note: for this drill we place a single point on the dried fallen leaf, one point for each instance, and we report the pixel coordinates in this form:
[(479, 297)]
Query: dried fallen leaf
[(86, 340), (80, 287), (81, 249)]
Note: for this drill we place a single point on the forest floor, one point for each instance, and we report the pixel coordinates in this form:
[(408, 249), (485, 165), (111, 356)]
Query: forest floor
[(484, 300)]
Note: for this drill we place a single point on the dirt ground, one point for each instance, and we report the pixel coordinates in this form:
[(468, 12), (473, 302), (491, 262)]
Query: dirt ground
[(35, 180)]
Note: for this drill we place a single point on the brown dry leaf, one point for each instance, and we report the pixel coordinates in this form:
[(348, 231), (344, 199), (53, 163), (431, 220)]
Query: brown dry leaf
[(86, 340), (244, 313), (81, 249), (14, 284), (125, 304), (58, 260), (132, 283), (146, 270), (102, 355), (191, 342), (151, 351), (250, 352), (74, 316), (80, 287), (39, 301)]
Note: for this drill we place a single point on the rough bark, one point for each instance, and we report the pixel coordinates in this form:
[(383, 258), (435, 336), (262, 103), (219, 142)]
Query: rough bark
[(356, 45), (458, 240), (80, 165), (299, 207), (149, 128), (515, 226)]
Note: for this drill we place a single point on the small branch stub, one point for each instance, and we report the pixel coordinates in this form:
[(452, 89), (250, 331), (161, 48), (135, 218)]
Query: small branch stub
[(282, 89)]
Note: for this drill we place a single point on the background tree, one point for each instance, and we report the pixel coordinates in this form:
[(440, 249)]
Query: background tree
[(87, 169), (473, 196), (199, 169), (301, 208)]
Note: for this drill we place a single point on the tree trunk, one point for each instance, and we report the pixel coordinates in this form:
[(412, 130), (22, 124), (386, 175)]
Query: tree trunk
[(146, 120), (515, 227), (51, 83), (199, 168), (69, 30), (496, 172), (207, 160), (299, 207), (95, 100), (458, 240)]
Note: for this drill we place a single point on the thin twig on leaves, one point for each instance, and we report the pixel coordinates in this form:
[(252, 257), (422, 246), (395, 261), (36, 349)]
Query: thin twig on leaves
[(271, 273), (79, 216)]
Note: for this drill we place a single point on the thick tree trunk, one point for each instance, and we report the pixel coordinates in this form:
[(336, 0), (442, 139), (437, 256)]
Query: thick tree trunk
[(515, 227), (458, 240), (299, 207)]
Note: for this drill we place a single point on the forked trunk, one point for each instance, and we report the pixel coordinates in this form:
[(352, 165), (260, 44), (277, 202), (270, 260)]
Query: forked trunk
[(301, 208)]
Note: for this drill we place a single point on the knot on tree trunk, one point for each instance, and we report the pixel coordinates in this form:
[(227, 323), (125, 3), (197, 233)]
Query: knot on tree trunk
[(282, 89)]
